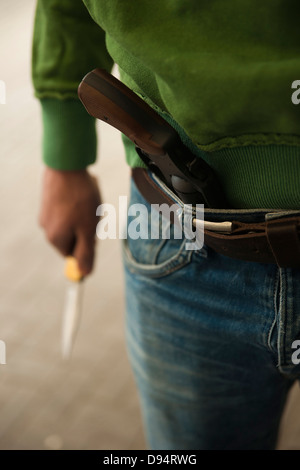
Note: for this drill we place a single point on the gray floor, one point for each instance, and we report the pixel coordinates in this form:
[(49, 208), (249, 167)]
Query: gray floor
[(89, 402)]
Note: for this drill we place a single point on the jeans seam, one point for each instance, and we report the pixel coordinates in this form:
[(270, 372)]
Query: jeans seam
[(275, 305), (282, 319)]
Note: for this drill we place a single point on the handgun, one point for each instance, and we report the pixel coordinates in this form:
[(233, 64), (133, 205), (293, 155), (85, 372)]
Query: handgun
[(157, 143)]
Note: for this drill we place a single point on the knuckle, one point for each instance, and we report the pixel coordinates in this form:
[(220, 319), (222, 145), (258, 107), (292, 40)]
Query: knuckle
[(55, 236), (52, 237)]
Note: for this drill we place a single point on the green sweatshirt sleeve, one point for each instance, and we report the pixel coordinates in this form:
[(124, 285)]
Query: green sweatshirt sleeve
[(67, 44)]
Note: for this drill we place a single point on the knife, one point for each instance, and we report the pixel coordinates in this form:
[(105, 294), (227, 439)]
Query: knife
[(73, 305)]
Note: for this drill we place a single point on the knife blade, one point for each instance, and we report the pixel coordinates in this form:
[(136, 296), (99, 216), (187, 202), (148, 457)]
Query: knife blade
[(72, 307)]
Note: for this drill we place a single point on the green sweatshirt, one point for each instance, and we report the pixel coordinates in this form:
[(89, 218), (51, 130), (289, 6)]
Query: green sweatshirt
[(220, 72)]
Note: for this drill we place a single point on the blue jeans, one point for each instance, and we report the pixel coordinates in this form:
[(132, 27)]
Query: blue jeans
[(210, 343)]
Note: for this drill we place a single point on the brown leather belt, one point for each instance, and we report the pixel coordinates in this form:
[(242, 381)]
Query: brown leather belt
[(274, 241)]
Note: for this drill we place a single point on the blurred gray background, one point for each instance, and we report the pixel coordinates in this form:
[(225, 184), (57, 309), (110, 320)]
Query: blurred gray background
[(90, 401)]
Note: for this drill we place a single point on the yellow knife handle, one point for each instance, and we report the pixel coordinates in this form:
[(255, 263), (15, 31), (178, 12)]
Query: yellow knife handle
[(72, 271)]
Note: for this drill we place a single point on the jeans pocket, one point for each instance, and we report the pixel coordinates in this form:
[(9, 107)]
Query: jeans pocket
[(152, 255), (166, 259)]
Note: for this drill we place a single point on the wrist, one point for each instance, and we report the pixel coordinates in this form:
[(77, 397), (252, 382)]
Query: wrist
[(65, 177)]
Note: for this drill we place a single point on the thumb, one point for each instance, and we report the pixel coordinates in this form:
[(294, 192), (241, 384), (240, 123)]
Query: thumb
[(84, 252)]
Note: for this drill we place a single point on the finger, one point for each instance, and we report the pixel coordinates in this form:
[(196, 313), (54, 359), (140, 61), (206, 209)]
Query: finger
[(64, 241)]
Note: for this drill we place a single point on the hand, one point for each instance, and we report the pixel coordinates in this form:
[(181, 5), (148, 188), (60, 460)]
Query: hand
[(68, 214)]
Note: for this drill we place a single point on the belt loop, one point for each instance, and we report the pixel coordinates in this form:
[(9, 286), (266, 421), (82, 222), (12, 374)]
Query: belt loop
[(283, 238)]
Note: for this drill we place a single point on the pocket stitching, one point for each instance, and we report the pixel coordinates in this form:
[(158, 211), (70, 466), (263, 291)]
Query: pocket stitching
[(157, 270)]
